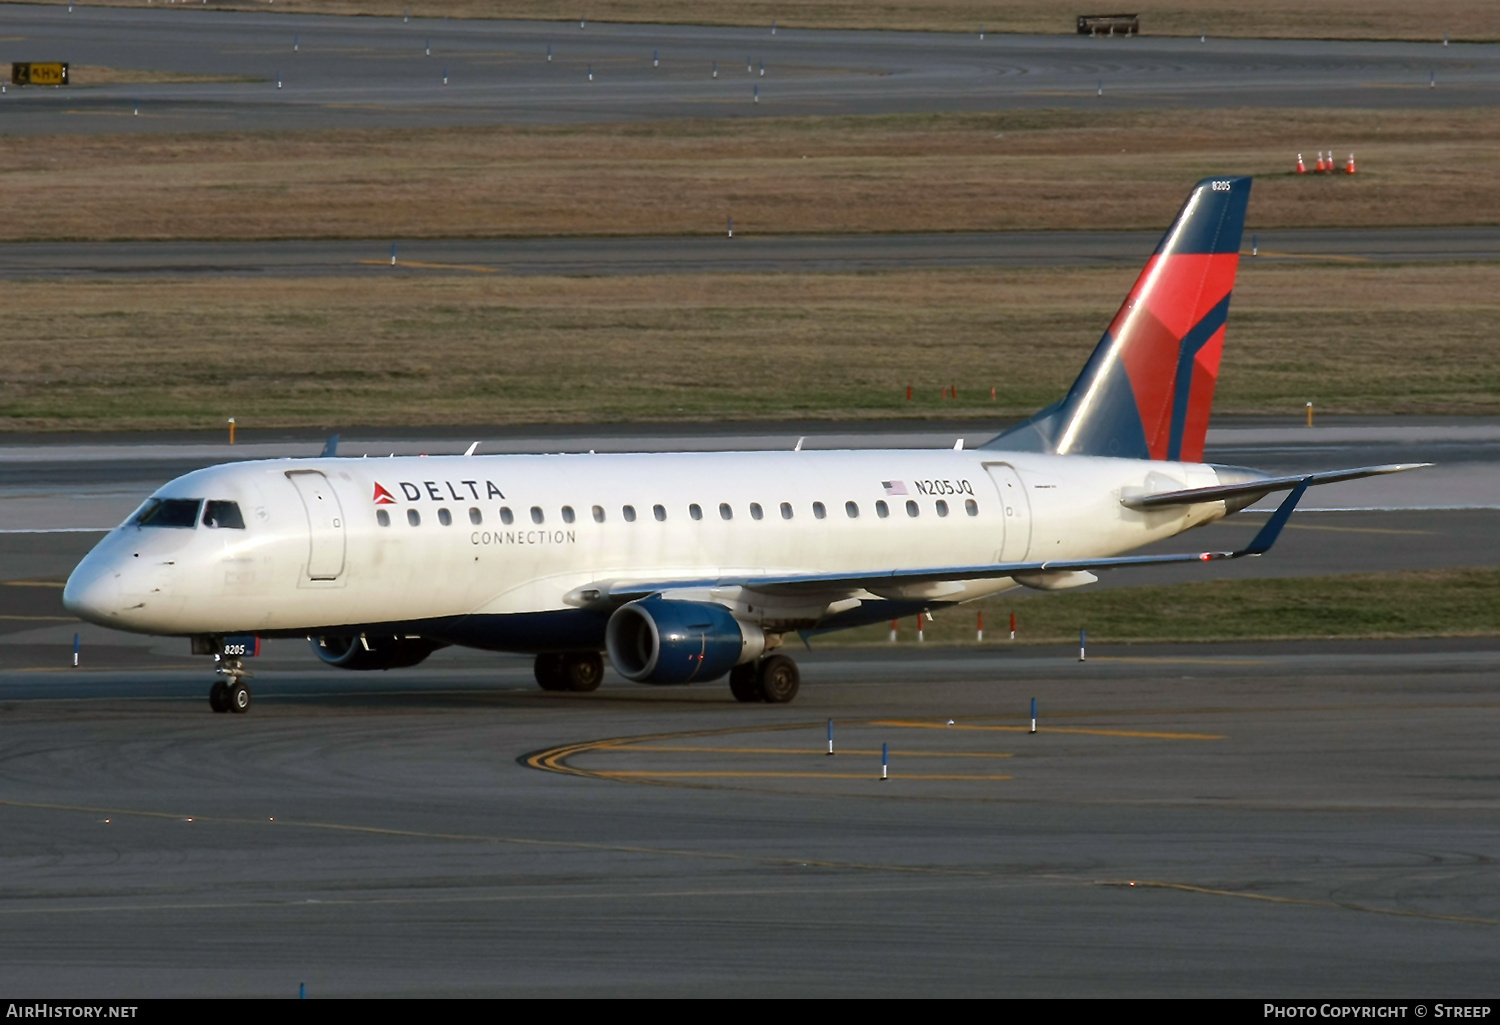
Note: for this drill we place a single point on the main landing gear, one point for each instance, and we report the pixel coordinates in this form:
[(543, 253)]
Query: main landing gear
[(577, 671), (773, 679), (230, 694)]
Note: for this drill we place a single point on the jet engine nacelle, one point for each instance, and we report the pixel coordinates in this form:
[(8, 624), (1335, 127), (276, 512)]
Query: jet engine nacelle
[(657, 640), (363, 651)]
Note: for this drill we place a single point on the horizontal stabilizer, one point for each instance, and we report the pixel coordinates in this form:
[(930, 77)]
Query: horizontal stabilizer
[(1260, 488)]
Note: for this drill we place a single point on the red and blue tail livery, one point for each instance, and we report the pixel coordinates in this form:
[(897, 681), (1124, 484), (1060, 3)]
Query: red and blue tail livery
[(1147, 390)]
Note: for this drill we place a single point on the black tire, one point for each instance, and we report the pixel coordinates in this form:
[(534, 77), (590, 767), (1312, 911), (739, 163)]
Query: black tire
[(779, 679), (549, 672), (218, 696), (583, 671), (239, 698), (744, 683)]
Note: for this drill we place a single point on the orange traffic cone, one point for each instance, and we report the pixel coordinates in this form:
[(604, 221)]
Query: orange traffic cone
[(1301, 167), (1349, 167), (1321, 165)]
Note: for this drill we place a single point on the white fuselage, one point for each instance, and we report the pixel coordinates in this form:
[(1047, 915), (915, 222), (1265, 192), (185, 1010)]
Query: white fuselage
[(504, 535)]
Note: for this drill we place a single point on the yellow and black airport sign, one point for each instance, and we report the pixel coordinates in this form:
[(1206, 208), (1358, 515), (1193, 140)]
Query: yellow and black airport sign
[(39, 73)]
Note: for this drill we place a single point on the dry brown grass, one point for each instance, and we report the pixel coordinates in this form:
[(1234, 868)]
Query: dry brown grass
[(98, 74), (1025, 170), (1302, 19), (490, 349)]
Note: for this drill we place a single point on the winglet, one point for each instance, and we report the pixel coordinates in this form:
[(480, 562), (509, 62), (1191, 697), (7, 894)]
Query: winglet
[(330, 447), (1268, 534)]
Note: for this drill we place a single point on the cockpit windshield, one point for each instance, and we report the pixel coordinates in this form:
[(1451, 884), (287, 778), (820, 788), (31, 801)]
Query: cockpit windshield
[(167, 512), (223, 514)]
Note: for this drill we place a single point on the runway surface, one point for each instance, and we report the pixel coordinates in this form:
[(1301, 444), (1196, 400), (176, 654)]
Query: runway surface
[(740, 255), (1215, 821), (327, 72)]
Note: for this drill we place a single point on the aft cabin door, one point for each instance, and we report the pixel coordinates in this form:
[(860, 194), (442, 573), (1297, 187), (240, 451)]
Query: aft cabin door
[(1015, 507), (325, 524)]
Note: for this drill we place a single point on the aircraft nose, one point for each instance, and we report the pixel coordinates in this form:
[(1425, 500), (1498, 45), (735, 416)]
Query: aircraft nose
[(92, 593)]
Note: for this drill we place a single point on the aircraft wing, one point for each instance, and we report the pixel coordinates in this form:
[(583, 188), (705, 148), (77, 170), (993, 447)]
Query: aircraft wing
[(1218, 493), (630, 590)]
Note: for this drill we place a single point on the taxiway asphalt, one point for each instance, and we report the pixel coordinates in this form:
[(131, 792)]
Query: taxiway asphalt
[(744, 254), (62, 483), (328, 72), (1213, 821)]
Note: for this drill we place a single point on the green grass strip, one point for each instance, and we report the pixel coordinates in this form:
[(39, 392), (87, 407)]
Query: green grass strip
[(1433, 603)]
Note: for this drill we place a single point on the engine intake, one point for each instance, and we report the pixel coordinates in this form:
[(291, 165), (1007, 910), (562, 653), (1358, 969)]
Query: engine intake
[(362, 651), (657, 640)]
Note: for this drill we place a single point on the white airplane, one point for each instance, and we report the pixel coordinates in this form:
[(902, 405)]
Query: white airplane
[(685, 567)]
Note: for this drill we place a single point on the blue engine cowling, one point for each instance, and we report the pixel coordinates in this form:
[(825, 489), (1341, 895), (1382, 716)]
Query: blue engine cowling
[(657, 640)]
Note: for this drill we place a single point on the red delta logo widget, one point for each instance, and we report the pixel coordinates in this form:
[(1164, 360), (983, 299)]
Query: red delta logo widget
[(438, 491)]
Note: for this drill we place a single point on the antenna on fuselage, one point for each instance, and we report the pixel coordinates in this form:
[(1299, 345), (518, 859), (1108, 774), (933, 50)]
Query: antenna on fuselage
[(798, 447), (958, 446), (330, 447), (470, 450)]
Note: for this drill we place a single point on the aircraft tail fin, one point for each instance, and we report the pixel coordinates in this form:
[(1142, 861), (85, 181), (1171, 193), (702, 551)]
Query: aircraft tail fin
[(1146, 391)]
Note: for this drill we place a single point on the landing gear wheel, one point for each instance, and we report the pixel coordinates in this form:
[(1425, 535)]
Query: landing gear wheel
[(582, 671), (218, 696), (549, 672), (744, 683), (239, 697), (779, 679)]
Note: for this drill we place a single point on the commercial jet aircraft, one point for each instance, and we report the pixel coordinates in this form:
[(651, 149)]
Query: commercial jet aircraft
[(686, 567)]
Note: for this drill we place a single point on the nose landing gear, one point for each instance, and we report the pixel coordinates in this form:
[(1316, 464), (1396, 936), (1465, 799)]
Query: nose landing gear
[(230, 694)]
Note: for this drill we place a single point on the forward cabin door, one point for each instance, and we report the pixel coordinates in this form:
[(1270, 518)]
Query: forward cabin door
[(1015, 507), (325, 524)]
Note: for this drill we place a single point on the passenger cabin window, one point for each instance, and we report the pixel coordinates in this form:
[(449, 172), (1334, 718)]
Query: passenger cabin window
[(445, 517), (475, 516), (598, 514), (168, 512), (382, 517), (882, 510), (695, 511), (506, 516), (536, 514), (628, 511), (756, 512), (567, 514), (818, 510), (660, 512), (971, 507), (224, 515), (725, 513), (942, 507), (786, 510), (911, 509), (413, 517), (851, 510)]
